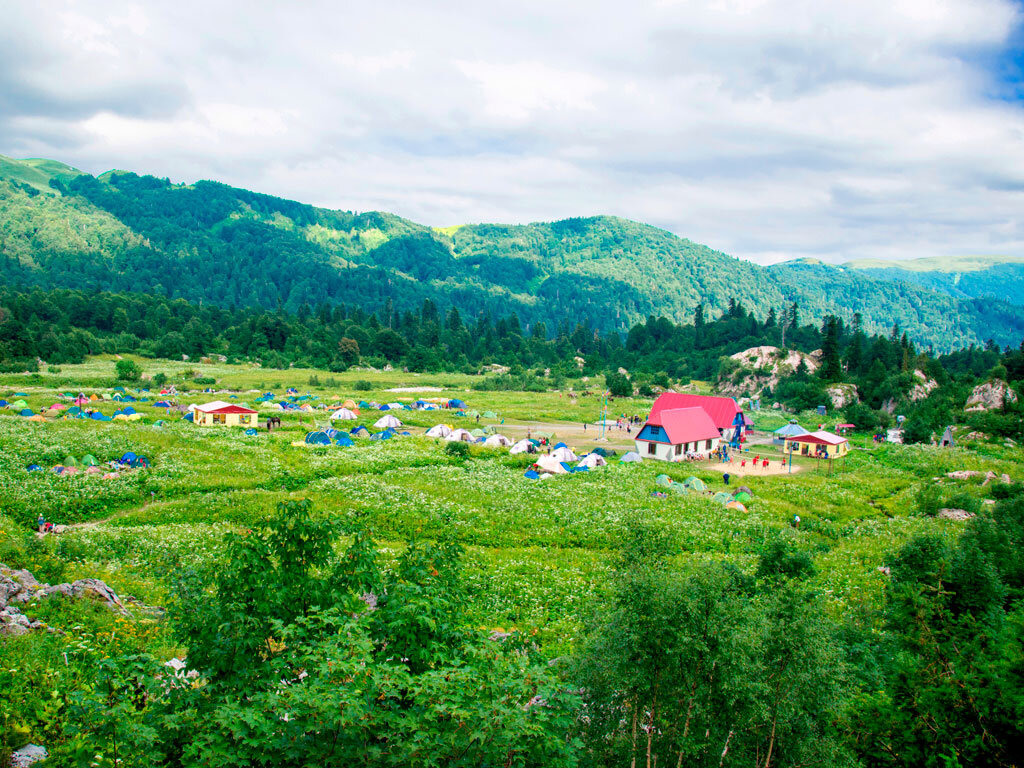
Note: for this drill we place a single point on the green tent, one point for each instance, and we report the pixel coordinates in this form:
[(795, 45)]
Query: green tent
[(546, 435), (695, 483), (472, 414), (678, 488), (477, 433), (17, 405), (741, 496), (722, 497), (663, 480), (490, 415), (89, 460), (70, 461)]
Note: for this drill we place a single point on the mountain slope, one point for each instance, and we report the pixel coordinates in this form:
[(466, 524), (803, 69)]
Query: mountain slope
[(208, 242), (999, 277)]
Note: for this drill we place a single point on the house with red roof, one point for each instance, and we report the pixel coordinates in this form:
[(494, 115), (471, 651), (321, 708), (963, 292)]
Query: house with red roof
[(672, 433), (226, 414), (724, 411), (820, 444)]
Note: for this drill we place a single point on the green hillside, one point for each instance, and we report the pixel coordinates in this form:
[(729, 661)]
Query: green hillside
[(208, 242), (998, 277)]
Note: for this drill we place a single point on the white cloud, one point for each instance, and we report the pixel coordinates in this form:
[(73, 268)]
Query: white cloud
[(764, 128)]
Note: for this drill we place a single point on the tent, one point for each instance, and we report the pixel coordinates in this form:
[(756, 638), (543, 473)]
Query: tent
[(97, 416), (57, 407), (478, 433), (343, 414), (736, 506), (33, 468), (3, 403), (456, 403), (523, 446), (678, 488), (188, 417), (600, 452), (695, 483), (26, 412), (17, 405), (722, 497), (95, 470), (792, 429), (630, 457), (545, 435), (560, 445), (663, 480), (530, 474), (564, 454), (344, 441), (387, 434), (497, 441), (89, 460), (350, 404), (472, 414), (37, 417), (70, 461), (460, 434), (552, 465), (128, 458), (592, 460), (250, 432), (439, 430), (387, 421), (161, 404), (318, 438), (489, 415), (359, 429)]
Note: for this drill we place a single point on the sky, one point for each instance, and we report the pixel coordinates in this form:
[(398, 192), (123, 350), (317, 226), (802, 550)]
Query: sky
[(886, 129)]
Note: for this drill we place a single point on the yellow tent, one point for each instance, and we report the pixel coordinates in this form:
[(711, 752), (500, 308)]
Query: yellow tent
[(37, 417), (350, 404), (120, 417)]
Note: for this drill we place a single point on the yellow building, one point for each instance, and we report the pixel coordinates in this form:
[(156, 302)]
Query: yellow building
[(225, 414), (819, 444)]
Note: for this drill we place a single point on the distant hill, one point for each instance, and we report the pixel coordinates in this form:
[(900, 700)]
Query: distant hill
[(208, 242), (998, 277)]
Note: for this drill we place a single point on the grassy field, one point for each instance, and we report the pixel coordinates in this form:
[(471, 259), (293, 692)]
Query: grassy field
[(538, 552)]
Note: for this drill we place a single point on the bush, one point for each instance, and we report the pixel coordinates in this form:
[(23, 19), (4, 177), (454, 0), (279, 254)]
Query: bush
[(362, 385), (205, 380), (457, 449), (128, 370), (618, 385)]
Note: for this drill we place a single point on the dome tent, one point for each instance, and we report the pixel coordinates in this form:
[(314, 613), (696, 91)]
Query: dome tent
[(387, 421), (343, 414), (439, 430)]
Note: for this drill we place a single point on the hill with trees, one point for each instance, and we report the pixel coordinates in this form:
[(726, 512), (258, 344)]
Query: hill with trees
[(210, 243)]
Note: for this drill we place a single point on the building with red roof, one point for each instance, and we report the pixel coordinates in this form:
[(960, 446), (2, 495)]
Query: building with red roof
[(820, 444), (672, 433), (724, 411), (221, 413)]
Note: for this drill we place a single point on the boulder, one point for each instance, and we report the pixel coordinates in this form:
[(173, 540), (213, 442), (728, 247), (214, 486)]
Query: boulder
[(14, 622), (21, 587), (842, 395), (955, 514), (764, 366), (992, 395), (28, 755), (922, 387)]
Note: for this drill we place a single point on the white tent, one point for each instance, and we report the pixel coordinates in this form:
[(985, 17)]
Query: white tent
[(344, 414), (629, 457), (523, 446), (564, 454), (395, 406), (551, 464), (387, 421), (497, 441), (460, 434), (592, 460), (439, 430)]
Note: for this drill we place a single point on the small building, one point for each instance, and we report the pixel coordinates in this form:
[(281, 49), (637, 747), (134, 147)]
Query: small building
[(792, 429), (671, 434), (820, 444), (947, 439), (226, 414)]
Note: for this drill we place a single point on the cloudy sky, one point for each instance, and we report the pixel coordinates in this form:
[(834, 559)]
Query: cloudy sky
[(769, 130)]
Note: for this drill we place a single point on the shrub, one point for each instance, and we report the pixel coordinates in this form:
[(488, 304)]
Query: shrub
[(362, 385), (128, 370), (458, 449)]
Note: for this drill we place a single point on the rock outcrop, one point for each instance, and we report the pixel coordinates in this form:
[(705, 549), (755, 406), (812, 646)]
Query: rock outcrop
[(762, 367), (842, 395), (923, 386), (990, 396), (955, 514), (18, 587)]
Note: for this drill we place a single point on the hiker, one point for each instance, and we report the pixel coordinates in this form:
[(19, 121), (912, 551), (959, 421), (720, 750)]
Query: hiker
[(796, 521), (41, 524), (478, 418), (584, 426), (725, 477)]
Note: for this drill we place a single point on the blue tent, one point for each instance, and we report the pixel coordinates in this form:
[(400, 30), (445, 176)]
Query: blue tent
[(456, 403), (128, 399), (128, 458), (385, 407), (34, 468), (559, 445), (382, 436), (580, 469), (187, 417), (26, 412), (97, 416), (565, 466), (232, 397), (406, 434), (21, 394), (344, 441), (530, 474), (318, 438), (360, 428), (161, 404), (250, 432), (3, 403), (119, 389), (128, 410)]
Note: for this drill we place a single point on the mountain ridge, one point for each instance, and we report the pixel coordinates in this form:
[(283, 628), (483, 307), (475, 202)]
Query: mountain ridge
[(210, 242)]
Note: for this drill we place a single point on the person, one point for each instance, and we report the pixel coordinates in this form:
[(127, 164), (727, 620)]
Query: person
[(584, 426), (796, 521), (478, 418), (41, 524), (725, 477)]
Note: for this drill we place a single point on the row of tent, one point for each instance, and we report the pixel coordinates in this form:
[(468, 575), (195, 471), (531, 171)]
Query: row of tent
[(736, 500), (91, 466), (331, 436)]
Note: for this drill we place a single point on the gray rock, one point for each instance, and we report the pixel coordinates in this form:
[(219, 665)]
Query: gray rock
[(955, 514), (28, 755)]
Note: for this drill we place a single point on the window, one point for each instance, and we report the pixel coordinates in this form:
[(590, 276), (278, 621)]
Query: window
[(708, 445), (679, 449), (652, 448), (219, 418), (655, 430)]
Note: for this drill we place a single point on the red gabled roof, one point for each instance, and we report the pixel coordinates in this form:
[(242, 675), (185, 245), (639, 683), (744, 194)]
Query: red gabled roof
[(685, 425), (819, 438), (232, 409), (722, 410)]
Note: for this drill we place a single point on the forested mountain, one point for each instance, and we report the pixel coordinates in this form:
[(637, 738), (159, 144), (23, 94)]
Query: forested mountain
[(208, 242), (971, 277)]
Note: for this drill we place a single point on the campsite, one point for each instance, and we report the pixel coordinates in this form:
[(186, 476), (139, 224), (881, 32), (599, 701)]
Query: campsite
[(540, 520)]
